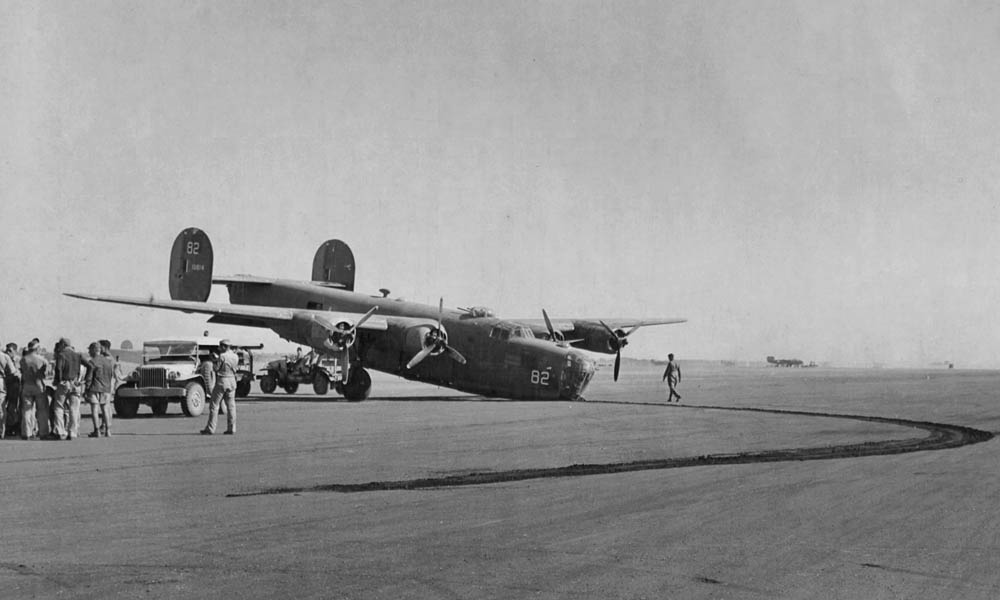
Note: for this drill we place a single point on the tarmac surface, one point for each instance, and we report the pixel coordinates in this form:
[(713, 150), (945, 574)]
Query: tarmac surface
[(762, 483)]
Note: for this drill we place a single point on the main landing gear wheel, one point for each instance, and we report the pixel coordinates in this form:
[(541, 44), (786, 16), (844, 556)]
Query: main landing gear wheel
[(193, 403), (159, 408), (268, 384), (243, 387), (359, 385), (291, 387), (321, 385)]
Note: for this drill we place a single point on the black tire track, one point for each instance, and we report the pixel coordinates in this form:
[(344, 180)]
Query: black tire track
[(941, 436)]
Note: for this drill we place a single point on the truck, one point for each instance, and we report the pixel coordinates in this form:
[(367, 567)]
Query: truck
[(169, 373)]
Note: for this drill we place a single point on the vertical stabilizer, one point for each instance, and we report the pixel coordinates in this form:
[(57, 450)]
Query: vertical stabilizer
[(334, 264), (191, 266)]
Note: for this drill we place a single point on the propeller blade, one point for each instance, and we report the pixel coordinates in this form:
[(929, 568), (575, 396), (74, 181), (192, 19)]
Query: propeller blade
[(419, 357), (548, 324), (455, 354), (631, 331), (440, 312), (618, 364), (366, 317)]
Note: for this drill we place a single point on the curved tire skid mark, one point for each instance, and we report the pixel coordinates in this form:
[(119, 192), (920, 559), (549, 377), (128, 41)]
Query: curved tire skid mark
[(941, 436)]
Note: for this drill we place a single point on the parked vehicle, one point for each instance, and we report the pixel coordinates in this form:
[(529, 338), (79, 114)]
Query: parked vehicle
[(169, 373), (288, 373)]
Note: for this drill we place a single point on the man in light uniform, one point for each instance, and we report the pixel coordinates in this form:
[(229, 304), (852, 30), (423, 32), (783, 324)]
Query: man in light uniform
[(672, 375), (7, 370), (225, 389), (13, 384), (68, 389), (34, 401), (100, 377)]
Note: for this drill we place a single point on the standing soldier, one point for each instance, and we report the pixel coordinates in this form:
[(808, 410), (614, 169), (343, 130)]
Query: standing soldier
[(672, 375), (225, 389), (118, 375), (68, 388), (7, 370), (34, 401), (207, 371), (100, 378), (13, 384)]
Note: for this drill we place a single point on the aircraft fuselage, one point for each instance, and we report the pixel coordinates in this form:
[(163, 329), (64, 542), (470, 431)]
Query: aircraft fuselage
[(502, 357)]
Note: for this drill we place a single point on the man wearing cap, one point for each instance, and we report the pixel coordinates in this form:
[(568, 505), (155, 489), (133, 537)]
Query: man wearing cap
[(225, 389), (34, 401), (68, 388)]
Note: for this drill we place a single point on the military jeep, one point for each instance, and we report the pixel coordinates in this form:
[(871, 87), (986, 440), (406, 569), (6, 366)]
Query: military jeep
[(169, 373)]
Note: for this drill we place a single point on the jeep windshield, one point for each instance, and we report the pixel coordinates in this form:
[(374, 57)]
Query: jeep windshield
[(161, 351)]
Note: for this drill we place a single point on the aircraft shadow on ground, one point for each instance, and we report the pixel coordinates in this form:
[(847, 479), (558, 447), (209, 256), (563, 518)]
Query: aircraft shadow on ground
[(939, 436)]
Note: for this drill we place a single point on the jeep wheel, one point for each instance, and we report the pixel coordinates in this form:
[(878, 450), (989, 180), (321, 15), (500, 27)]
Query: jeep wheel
[(159, 407), (268, 384), (291, 387), (321, 385), (125, 408), (193, 403), (243, 387)]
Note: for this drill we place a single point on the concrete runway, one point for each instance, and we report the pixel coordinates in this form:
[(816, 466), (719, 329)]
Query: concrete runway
[(159, 511)]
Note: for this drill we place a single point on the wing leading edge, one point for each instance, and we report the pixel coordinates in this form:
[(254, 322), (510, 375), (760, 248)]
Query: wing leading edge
[(259, 316)]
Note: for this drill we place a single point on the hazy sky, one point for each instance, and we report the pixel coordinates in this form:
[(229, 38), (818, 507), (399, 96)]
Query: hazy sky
[(805, 179)]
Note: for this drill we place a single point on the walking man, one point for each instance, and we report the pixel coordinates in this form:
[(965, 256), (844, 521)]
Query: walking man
[(225, 389), (672, 375), (68, 388), (34, 401)]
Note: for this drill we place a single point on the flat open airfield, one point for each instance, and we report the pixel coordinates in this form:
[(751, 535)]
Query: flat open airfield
[(159, 511)]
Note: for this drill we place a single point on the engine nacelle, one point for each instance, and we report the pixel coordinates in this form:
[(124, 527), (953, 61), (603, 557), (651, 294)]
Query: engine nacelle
[(319, 332), (426, 336), (596, 338)]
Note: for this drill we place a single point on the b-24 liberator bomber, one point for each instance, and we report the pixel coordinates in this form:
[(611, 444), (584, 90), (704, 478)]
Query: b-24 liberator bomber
[(468, 349)]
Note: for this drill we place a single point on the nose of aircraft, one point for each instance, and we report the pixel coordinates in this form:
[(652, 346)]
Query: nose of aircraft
[(577, 374)]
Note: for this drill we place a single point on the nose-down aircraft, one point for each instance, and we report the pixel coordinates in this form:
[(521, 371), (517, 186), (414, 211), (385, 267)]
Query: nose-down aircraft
[(467, 349)]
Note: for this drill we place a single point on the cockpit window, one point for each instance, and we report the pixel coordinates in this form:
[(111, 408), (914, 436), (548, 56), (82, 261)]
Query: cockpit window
[(499, 333), (506, 331)]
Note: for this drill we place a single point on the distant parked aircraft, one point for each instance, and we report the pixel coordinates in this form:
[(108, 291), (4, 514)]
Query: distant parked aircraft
[(784, 362)]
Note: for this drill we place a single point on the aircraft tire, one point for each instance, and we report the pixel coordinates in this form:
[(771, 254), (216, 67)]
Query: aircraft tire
[(193, 403), (321, 385), (291, 387), (159, 407), (268, 384), (359, 386)]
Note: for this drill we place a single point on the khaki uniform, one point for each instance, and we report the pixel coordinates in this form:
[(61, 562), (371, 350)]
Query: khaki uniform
[(225, 390), (34, 401), (69, 389), (7, 370)]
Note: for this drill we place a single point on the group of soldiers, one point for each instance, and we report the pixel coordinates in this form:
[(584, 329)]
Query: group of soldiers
[(28, 410)]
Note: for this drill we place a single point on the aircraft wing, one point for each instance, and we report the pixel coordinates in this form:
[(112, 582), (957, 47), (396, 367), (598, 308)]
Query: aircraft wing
[(240, 314), (568, 325)]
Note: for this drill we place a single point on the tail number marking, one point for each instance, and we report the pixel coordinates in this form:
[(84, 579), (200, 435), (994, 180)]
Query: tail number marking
[(193, 247), (540, 377)]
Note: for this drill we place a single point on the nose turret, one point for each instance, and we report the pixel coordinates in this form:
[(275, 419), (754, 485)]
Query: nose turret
[(577, 373)]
